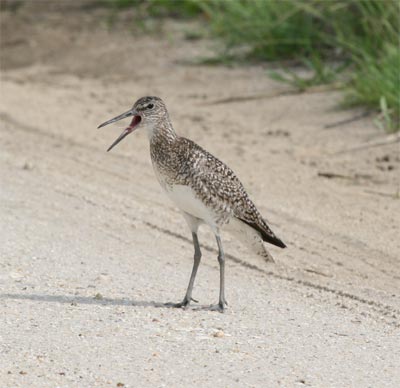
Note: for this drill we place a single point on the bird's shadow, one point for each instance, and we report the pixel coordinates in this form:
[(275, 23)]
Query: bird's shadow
[(96, 300)]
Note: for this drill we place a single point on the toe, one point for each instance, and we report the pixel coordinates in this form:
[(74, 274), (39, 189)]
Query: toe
[(185, 303), (220, 307)]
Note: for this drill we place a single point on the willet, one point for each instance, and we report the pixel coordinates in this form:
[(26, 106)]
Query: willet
[(202, 187)]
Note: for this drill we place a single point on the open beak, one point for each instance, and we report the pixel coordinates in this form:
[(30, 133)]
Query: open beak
[(132, 126)]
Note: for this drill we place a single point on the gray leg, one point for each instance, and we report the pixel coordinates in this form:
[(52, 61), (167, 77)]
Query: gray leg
[(221, 260), (197, 256)]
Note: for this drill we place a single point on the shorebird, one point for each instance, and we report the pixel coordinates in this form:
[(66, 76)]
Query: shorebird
[(204, 189)]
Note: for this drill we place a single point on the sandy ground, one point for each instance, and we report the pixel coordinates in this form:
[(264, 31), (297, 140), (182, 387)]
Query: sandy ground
[(90, 247)]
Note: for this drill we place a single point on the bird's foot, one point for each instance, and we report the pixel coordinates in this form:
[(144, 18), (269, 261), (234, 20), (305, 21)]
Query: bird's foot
[(220, 307), (184, 304)]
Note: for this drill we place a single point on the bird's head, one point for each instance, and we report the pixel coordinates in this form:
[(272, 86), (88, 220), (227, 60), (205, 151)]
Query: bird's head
[(146, 112)]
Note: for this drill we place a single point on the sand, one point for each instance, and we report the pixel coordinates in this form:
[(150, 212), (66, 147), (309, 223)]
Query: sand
[(91, 248)]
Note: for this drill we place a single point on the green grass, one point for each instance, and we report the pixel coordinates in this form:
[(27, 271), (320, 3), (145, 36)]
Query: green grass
[(361, 37), (375, 83)]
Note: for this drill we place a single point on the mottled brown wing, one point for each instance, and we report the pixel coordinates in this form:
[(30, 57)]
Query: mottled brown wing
[(222, 190)]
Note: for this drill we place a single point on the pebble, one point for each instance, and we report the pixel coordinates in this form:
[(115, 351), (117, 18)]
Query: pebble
[(219, 334), (27, 166)]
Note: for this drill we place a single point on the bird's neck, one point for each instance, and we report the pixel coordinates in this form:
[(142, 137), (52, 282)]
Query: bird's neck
[(162, 132)]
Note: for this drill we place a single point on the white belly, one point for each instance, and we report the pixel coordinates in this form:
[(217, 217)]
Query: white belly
[(185, 199)]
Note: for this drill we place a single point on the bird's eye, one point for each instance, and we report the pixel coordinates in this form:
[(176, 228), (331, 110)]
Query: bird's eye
[(150, 106)]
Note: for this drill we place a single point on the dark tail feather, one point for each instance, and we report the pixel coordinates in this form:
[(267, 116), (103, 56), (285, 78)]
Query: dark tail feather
[(273, 240), (266, 234)]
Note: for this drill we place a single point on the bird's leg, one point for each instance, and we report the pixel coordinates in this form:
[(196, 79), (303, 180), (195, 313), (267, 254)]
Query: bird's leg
[(221, 260), (197, 256)]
